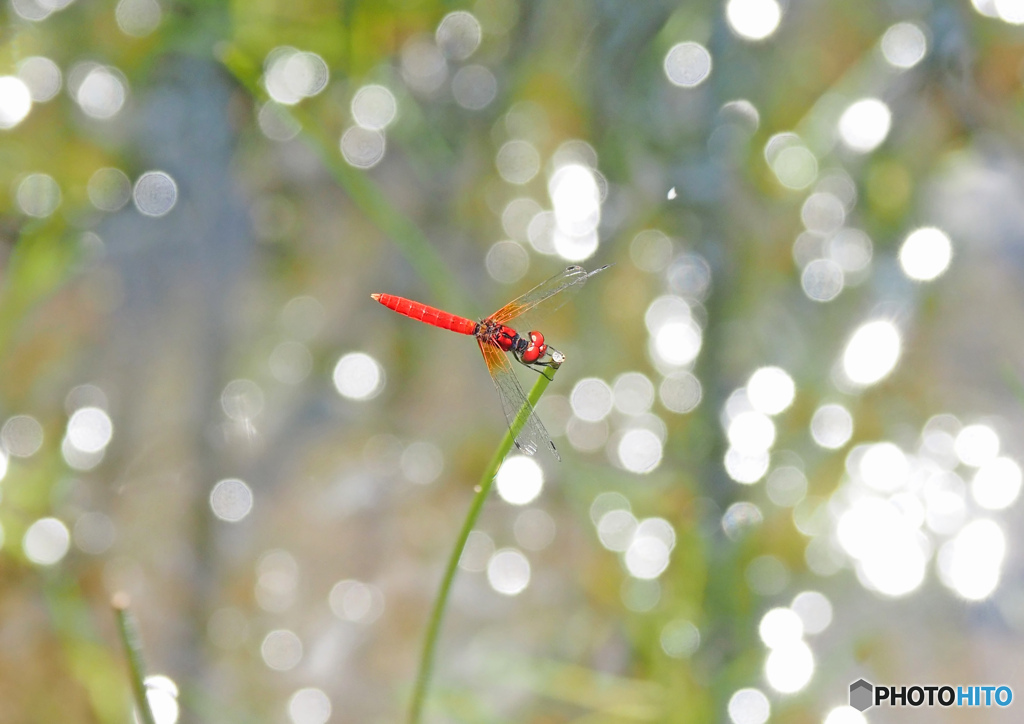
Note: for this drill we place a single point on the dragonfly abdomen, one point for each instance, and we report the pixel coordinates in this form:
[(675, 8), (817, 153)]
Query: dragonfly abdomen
[(429, 315)]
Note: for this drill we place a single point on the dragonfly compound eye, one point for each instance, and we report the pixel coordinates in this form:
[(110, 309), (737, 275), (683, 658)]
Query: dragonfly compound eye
[(536, 349)]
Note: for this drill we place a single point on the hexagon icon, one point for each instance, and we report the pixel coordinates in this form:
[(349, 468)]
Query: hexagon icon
[(861, 695)]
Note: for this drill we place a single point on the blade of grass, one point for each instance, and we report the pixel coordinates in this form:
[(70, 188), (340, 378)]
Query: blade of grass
[(128, 628), (419, 694)]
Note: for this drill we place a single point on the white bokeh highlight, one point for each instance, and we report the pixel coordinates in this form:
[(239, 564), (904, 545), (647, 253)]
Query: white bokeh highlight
[(864, 124), (971, 563), (519, 480), (231, 500), (358, 376), (508, 572), (770, 390), (753, 19), (687, 65), (872, 352), (749, 706), (15, 101), (904, 45), (925, 254), (46, 541)]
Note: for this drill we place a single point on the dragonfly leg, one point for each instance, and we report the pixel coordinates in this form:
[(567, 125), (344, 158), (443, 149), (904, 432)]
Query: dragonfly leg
[(552, 359), (541, 371)]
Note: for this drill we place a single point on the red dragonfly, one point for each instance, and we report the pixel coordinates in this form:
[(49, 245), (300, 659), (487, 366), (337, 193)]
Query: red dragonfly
[(496, 338)]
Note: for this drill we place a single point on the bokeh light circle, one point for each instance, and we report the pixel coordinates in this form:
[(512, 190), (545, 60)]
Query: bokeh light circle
[(680, 392), (687, 65), (780, 627), (925, 254), (15, 101), (162, 697), (109, 189), (292, 75), (749, 706), (458, 35), (21, 436), (90, 429), (789, 668), (751, 432), (309, 706), (814, 610), (872, 352), (976, 444), (138, 18), (374, 107), (633, 393), (822, 280), (677, 343), (102, 93), (845, 715), (640, 451), (231, 500), (831, 426), (591, 399), (356, 601), (615, 527), (362, 147), (358, 376), (647, 557), (851, 249), (786, 485), (795, 167), (281, 650), (888, 547), (424, 67), (42, 76), (996, 485), (971, 563), (276, 122), (753, 19), (864, 124), (518, 161), (519, 480), (904, 45), (508, 572), (474, 87), (38, 195), (155, 193), (770, 390), (46, 541), (680, 639)]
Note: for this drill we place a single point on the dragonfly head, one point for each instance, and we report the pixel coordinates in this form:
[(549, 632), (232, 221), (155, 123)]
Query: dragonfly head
[(535, 348)]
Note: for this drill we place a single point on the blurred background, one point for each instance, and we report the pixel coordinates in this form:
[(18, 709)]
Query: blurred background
[(790, 420)]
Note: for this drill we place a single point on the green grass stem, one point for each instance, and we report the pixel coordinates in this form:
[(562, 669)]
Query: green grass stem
[(423, 676), (128, 629)]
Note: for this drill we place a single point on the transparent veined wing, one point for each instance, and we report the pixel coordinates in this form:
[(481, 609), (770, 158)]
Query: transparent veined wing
[(565, 283), (532, 436)]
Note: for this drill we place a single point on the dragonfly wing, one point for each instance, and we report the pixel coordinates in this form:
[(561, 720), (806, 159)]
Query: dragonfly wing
[(569, 280), (532, 435)]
